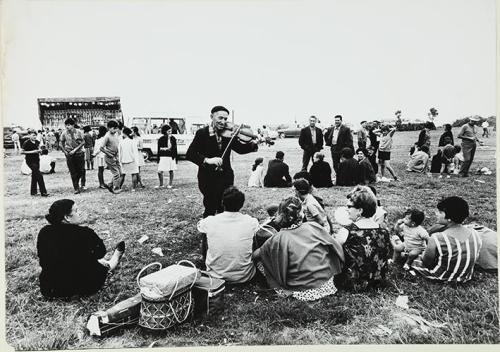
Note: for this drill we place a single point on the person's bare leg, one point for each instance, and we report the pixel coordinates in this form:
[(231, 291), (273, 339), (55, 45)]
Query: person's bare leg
[(171, 177)]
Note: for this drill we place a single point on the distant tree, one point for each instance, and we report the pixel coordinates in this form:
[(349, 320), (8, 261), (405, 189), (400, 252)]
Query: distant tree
[(398, 120), (433, 113)]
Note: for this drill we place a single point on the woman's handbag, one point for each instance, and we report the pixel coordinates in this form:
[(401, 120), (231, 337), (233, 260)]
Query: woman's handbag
[(208, 295), (166, 295)]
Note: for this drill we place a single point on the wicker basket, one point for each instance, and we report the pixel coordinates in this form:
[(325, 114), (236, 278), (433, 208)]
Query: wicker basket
[(165, 312)]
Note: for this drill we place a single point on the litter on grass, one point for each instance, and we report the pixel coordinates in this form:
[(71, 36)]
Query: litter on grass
[(157, 251), (143, 239), (402, 302)]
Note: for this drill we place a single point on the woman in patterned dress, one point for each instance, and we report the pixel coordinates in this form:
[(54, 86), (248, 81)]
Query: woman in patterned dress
[(451, 254), (302, 258), (367, 247)]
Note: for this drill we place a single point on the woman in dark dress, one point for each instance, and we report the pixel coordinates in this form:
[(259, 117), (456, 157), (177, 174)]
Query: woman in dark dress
[(367, 246), (72, 256), (321, 172)]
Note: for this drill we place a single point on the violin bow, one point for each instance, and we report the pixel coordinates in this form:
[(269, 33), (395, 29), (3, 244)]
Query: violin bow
[(230, 141)]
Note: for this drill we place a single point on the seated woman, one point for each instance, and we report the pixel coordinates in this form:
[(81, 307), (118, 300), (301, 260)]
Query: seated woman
[(302, 258), (419, 160), (451, 254), (321, 172), (367, 246), (71, 256)]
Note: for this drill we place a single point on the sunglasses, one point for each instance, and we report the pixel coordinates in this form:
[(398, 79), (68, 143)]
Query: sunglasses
[(350, 206)]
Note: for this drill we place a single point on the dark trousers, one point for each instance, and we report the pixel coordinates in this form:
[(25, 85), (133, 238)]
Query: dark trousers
[(76, 167), (212, 187), (335, 159), (100, 175), (469, 150), (36, 178), (308, 155)]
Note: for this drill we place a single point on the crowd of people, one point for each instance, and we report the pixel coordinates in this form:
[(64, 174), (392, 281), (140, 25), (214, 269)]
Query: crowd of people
[(113, 147), (298, 250), (294, 251)]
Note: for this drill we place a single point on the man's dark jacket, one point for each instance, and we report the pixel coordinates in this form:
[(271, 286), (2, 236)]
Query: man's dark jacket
[(277, 174), (344, 138), (305, 140), (204, 145)]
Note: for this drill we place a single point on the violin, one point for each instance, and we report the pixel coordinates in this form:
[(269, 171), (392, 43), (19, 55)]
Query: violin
[(242, 132)]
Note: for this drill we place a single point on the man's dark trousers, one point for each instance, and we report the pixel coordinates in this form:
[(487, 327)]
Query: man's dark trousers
[(468, 150), (76, 167), (308, 155), (36, 178), (212, 185), (335, 158)]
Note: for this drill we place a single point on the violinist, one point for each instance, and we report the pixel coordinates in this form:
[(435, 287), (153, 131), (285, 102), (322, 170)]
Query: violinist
[(211, 151)]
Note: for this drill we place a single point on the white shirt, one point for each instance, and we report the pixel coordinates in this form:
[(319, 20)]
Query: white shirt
[(229, 239), (45, 161), (256, 178), (335, 134), (128, 150)]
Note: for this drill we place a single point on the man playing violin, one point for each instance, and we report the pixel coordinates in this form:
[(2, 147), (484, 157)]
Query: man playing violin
[(214, 166)]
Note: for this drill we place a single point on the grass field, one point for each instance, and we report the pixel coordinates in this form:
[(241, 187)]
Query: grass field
[(253, 315)]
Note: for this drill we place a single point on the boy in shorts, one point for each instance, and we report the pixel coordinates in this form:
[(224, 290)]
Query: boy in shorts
[(384, 151), (414, 236)]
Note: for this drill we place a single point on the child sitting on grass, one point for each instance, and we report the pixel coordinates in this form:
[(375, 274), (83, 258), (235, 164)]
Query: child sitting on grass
[(414, 236), (313, 210)]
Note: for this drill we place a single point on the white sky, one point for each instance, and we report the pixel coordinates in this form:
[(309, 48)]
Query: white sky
[(270, 61)]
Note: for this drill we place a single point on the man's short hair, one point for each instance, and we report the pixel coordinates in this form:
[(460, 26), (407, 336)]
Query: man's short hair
[(86, 129), (233, 199), (455, 208), (319, 155), (45, 152), (362, 122), (339, 117), (362, 150), (457, 149), (303, 174), (165, 128), (347, 153), (302, 186), (280, 155), (112, 124), (417, 216), (313, 117), (69, 121)]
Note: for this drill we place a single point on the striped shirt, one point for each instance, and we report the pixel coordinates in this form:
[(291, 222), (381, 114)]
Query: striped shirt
[(455, 259)]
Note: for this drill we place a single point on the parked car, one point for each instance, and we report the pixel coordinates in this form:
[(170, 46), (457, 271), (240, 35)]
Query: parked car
[(289, 132), (7, 137)]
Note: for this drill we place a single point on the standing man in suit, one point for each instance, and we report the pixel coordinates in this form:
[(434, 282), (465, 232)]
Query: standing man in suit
[(278, 174), (338, 137), (311, 141), (214, 171)]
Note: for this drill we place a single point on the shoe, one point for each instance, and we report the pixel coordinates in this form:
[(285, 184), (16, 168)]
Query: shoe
[(169, 187), (83, 188), (103, 187), (77, 191), (406, 267), (395, 178), (33, 194), (45, 194), (159, 187), (133, 190), (109, 188), (116, 191), (120, 247), (412, 273)]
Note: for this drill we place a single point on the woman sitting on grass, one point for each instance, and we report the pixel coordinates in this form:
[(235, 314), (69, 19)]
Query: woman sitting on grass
[(302, 258), (71, 256), (367, 246), (451, 254), (419, 160)]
